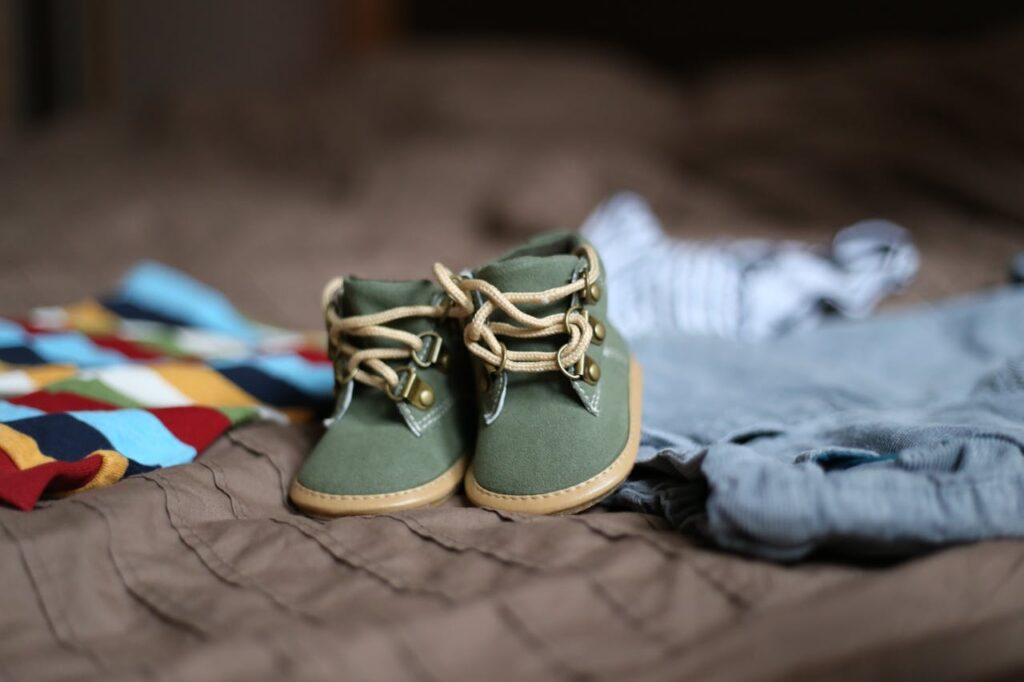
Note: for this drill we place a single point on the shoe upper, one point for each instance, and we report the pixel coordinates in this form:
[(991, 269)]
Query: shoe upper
[(544, 431), (375, 444)]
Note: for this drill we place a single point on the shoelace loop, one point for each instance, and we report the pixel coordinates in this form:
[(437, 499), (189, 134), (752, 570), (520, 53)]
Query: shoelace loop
[(369, 365), (481, 334)]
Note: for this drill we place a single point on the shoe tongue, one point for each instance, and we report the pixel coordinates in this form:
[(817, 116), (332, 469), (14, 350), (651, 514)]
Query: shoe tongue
[(530, 273), (367, 296)]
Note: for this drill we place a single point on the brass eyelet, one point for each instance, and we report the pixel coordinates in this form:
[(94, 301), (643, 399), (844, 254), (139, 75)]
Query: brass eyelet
[(591, 293), (412, 389), (423, 396), (404, 386), (576, 308), (591, 371), (435, 349), (504, 361), (561, 366)]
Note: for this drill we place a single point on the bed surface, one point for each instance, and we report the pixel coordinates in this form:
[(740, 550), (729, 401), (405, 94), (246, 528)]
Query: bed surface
[(204, 572)]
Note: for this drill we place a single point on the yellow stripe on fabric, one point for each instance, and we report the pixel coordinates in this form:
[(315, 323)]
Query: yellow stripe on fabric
[(44, 375), (22, 448), (110, 472), (90, 317), (204, 386), (25, 453)]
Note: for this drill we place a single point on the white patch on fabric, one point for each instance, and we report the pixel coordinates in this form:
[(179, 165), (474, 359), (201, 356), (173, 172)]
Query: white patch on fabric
[(141, 384)]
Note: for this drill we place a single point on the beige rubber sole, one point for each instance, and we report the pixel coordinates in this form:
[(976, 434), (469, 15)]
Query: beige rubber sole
[(583, 495), (430, 494)]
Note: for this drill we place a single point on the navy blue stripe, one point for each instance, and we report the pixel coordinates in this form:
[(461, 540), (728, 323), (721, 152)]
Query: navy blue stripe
[(64, 438), (265, 388), (131, 311), (136, 468), (20, 355), (61, 436)]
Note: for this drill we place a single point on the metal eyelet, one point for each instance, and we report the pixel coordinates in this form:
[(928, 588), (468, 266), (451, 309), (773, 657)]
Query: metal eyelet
[(596, 326), (586, 368), (599, 330), (504, 361), (404, 386), (412, 389), (561, 366), (434, 348), (576, 308), (590, 293)]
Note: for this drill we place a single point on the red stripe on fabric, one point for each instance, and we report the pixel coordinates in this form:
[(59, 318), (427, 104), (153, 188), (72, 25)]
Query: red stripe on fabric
[(23, 488), (195, 426), (313, 355), (35, 329), (127, 348), (61, 401)]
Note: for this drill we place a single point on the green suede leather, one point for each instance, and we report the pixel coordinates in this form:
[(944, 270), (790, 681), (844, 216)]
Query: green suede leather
[(371, 449), (544, 439)]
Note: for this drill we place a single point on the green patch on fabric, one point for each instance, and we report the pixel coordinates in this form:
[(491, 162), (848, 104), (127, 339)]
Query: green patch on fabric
[(239, 415), (163, 343), (92, 388)]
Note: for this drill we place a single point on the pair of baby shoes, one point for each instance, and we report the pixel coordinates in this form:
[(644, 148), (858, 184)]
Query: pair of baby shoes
[(508, 379)]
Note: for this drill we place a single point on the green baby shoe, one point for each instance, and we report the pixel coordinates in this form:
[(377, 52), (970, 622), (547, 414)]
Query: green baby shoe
[(403, 424), (559, 393)]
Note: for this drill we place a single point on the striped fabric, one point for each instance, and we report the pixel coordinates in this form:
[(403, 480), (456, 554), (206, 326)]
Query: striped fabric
[(746, 289), (145, 378)]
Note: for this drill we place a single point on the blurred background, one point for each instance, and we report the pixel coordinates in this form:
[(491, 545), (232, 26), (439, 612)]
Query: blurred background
[(266, 145)]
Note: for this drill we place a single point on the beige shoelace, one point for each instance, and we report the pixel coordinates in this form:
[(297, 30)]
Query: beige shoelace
[(481, 334), (368, 365)]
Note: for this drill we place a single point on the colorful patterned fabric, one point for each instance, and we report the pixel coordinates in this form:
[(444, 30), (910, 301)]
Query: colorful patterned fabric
[(145, 378)]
